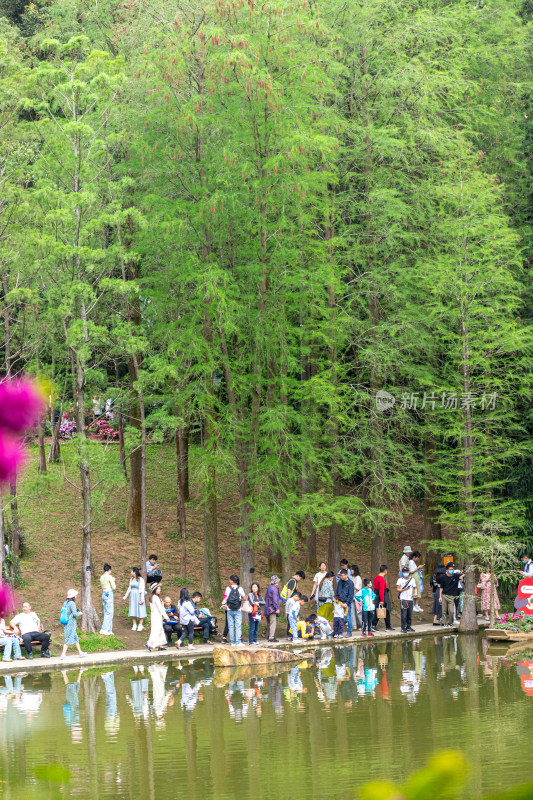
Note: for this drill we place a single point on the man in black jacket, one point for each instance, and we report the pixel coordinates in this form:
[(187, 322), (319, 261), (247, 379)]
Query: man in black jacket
[(438, 572), (346, 592), (449, 590)]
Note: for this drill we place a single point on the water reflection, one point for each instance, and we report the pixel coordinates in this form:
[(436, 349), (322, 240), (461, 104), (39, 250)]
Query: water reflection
[(205, 726)]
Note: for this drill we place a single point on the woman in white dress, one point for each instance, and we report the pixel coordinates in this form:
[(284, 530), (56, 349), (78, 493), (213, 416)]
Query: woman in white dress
[(157, 640)]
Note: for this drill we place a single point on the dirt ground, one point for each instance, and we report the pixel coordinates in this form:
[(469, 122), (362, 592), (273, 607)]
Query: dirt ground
[(51, 518)]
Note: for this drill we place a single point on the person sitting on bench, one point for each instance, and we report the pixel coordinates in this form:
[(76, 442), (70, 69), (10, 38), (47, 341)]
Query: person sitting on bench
[(31, 631), (173, 624), (203, 615), (153, 573)]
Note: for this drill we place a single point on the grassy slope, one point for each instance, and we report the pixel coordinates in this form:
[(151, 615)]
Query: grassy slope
[(51, 517)]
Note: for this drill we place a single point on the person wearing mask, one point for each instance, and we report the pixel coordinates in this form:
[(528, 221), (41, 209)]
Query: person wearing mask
[(322, 569), (439, 570), (136, 593), (232, 603), (254, 617), (188, 618), (346, 593), (382, 596), (449, 591), (406, 587), (272, 607), (70, 626), (358, 585), (527, 566), (172, 624), (107, 582), (31, 630)]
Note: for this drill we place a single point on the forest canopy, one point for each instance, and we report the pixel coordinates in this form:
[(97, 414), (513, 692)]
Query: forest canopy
[(296, 233)]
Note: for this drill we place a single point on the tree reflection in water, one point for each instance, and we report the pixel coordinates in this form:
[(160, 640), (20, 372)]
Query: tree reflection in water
[(184, 729)]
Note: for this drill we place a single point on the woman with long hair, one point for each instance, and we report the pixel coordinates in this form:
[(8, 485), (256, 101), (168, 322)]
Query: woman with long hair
[(136, 593), (157, 640)]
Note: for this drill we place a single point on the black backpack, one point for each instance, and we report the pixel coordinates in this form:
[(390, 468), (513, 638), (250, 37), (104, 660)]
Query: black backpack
[(233, 601)]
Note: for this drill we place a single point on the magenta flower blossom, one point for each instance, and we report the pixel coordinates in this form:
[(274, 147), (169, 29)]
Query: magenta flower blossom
[(11, 456), (7, 600), (21, 405)]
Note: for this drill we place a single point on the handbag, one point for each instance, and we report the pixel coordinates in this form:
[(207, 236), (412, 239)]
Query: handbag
[(247, 607), (224, 606), (381, 611)]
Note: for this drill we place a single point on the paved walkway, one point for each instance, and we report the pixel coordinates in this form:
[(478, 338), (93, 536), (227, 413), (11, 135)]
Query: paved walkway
[(117, 657)]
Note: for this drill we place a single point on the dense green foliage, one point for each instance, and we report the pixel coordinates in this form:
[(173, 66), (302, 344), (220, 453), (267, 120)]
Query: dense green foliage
[(243, 221)]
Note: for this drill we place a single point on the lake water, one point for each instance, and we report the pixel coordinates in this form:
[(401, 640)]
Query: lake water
[(347, 715)]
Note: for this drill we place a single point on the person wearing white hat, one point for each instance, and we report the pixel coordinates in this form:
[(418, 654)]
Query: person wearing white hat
[(68, 618), (404, 560)]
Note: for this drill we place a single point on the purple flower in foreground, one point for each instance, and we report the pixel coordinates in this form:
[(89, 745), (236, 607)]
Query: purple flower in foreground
[(21, 405), (7, 600), (11, 456)]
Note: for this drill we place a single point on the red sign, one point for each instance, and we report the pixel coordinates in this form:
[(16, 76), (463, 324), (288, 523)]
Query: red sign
[(525, 670), (524, 601)]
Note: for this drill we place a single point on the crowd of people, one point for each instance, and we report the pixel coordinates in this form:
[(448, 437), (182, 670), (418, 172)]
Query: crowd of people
[(339, 601)]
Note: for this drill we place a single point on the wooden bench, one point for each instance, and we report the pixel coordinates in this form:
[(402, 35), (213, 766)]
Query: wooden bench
[(33, 644)]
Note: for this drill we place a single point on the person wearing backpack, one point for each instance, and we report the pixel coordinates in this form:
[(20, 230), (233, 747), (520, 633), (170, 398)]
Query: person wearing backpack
[(68, 618), (232, 603), (406, 587)]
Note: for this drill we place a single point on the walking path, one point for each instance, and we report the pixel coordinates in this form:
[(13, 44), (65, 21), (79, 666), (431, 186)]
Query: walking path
[(118, 657)]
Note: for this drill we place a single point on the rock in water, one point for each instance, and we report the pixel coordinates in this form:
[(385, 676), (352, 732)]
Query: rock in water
[(243, 656)]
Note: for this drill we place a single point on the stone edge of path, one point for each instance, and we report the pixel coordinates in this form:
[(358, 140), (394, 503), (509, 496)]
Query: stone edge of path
[(114, 658)]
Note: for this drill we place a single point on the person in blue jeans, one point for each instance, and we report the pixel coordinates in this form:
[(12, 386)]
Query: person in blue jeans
[(346, 592), (254, 618), (108, 585), (232, 601), (11, 643)]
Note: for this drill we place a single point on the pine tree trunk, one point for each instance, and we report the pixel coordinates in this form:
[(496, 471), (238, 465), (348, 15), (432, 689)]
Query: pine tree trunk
[(286, 566), (181, 509), (469, 623), (309, 483), (89, 620), (211, 574), (184, 462), (133, 513), (54, 454), (142, 465), (274, 560), (432, 526), (41, 467), (15, 522)]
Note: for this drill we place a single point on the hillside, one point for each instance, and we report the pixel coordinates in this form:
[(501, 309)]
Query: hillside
[(50, 514)]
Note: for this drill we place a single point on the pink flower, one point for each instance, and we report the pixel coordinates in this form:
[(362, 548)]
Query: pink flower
[(21, 405), (11, 456), (7, 600)]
